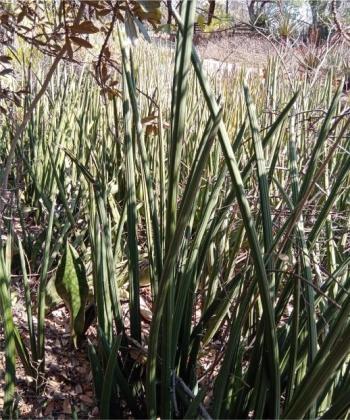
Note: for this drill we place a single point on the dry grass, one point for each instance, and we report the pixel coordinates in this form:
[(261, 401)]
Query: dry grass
[(243, 50)]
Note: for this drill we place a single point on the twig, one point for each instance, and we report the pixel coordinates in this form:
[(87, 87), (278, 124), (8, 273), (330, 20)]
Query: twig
[(311, 284)]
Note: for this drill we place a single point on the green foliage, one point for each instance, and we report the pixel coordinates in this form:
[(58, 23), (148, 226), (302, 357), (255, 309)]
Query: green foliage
[(72, 287), (237, 216), (9, 333)]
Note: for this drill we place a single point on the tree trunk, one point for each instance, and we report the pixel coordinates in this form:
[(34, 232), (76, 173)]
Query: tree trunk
[(211, 11), (319, 30), (170, 13), (314, 14), (317, 9), (251, 12)]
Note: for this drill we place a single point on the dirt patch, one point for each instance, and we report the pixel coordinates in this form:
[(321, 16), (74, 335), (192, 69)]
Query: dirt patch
[(67, 387)]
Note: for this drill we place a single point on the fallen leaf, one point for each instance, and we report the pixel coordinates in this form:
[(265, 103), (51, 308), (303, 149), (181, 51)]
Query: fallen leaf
[(138, 355), (78, 389), (67, 408), (87, 400), (49, 408), (145, 312), (95, 412), (86, 27), (80, 42), (5, 59)]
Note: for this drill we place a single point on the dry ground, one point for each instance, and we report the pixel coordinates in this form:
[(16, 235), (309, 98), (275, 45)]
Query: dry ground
[(243, 50)]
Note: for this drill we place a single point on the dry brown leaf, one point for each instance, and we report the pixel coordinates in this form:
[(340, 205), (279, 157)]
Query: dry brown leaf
[(145, 312), (86, 27), (103, 12), (5, 72), (67, 408), (78, 389), (138, 355), (80, 42), (5, 58), (87, 400), (95, 412), (49, 408)]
